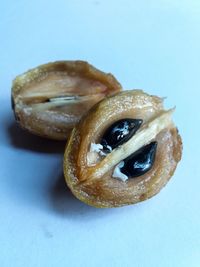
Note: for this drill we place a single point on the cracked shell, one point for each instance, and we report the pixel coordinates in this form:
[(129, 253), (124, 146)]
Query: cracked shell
[(92, 181), (49, 100)]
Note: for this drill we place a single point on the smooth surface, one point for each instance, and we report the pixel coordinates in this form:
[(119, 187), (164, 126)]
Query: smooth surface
[(152, 45)]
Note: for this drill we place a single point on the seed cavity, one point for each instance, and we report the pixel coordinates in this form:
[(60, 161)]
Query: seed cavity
[(136, 164), (62, 101), (140, 140), (64, 98)]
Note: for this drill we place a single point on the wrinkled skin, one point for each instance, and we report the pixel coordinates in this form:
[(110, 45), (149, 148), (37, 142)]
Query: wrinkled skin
[(50, 99), (108, 191)]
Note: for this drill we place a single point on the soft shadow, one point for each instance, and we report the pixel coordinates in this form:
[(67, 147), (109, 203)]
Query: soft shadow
[(46, 192), (66, 204), (20, 138), (57, 194)]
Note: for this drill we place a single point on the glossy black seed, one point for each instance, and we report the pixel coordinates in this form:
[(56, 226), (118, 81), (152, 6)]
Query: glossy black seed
[(120, 132), (13, 108), (140, 162)]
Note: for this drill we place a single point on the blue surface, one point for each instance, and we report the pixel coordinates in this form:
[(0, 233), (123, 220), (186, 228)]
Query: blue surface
[(152, 45)]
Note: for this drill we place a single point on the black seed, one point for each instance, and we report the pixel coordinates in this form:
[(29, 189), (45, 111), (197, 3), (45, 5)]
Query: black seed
[(12, 103), (120, 132), (141, 161), (13, 108)]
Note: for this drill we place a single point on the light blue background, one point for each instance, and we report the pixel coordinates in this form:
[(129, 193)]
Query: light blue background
[(154, 45)]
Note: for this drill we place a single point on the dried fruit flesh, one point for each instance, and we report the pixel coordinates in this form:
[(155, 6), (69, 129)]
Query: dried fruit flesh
[(50, 99), (89, 174)]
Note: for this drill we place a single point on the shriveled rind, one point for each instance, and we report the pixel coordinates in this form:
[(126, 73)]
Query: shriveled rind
[(108, 191), (32, 91)]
